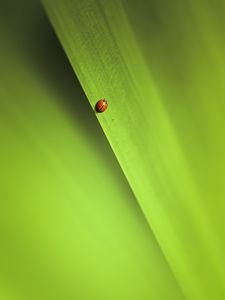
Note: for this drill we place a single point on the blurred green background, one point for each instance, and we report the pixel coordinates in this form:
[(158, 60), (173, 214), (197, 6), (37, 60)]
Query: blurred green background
[(70, 225), (140, 216)]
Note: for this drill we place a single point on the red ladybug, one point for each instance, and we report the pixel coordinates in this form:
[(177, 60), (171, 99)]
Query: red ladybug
[(101, 105)]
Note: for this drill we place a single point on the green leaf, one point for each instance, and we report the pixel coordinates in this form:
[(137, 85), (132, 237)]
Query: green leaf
[(160, 65)]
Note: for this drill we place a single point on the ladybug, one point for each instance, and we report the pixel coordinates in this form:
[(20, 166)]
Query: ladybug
[(101, 105)]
